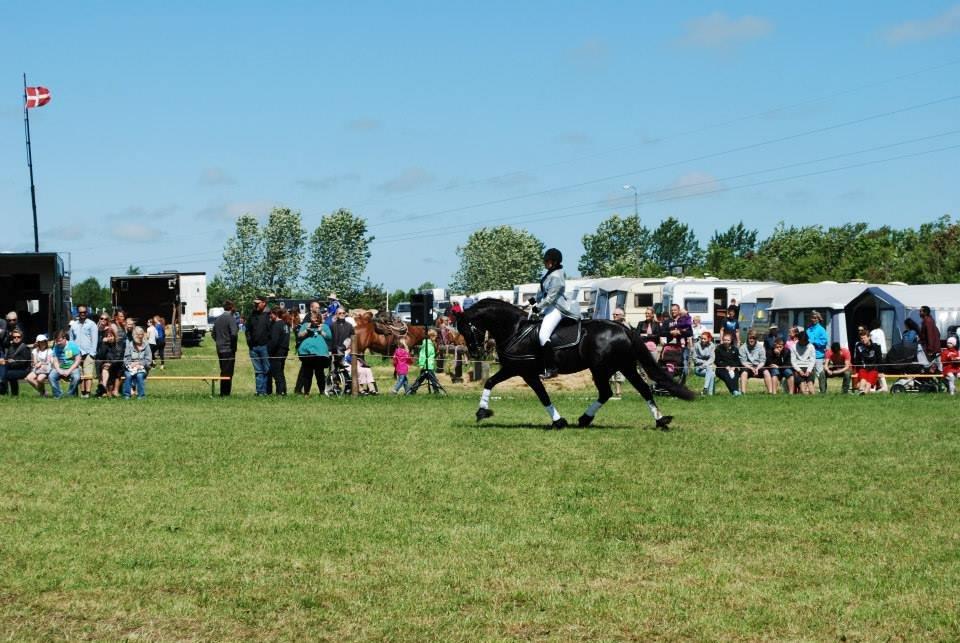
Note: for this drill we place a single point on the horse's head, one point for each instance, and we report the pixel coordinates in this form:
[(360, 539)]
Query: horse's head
[(491, 316)]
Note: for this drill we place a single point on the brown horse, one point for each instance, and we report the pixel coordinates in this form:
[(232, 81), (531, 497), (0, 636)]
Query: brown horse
[(369, 338)]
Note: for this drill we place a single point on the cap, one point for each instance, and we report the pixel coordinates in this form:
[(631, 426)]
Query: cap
[(41, 337), (951, 341), (332, 295), (260, 298)]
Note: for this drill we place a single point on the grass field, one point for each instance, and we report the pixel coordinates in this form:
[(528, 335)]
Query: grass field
[(185, 517)]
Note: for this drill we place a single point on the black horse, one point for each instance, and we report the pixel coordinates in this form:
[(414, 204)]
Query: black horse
[(604, 347)]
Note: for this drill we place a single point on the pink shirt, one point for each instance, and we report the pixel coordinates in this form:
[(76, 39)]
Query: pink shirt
[(402, 361)]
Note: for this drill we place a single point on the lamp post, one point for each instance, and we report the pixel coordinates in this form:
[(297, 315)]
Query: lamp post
[(636, 200)]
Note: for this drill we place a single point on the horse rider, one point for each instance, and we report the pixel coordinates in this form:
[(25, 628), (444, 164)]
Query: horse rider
[(552, 303)]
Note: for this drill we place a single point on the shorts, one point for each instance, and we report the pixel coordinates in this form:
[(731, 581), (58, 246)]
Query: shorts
[(868, 375), (88, 366), (806, 378), (751, 374), (782, 371)]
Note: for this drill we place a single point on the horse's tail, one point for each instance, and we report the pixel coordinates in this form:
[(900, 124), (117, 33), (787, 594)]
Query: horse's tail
[(660, 376)]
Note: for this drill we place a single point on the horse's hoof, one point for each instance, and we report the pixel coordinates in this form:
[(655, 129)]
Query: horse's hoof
[(483, 414), (584, 420), (664, 422), (560, 424)]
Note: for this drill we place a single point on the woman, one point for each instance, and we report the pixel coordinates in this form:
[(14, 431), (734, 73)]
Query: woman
[(278, 347), (314, 353), (553, 306), (41, 363), (649, 328), (704, 355), (727, 362), (804, 359), (732, 325), (867, 356), (110, 356), (137, 360), (14, 363)]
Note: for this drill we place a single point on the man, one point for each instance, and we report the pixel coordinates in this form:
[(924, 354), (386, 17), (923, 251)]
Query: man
[(258, 337), (342, 332), (678, 328), (839, 364), (817, 335), (333, 304), (6, 331), (225, 332), (66, 365), (85, 334), (929, 335)]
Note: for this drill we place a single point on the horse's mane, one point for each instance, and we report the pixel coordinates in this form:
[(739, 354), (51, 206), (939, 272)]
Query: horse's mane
[(494, 305)]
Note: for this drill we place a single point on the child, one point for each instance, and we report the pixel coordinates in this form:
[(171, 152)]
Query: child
[(401, 367), (950, 361)]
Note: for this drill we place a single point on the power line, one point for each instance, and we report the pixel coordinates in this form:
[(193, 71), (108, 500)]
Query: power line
[(702, 157), (715, 191), (689, 186)]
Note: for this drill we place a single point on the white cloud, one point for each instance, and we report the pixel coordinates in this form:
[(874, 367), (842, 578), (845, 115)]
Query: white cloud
[(410, 179), (229, 212), (215, 176), (720, 31), (327, 182), (135, 232), (944, 24), (694, 184), (363, 125)]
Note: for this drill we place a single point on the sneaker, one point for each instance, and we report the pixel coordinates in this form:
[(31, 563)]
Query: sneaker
[(85, 396), (161, 367), (737, 393)]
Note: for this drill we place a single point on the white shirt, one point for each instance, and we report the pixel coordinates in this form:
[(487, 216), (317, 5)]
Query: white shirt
[(152, 335)]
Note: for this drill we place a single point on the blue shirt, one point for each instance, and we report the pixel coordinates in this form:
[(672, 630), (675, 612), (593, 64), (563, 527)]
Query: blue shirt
[(818, 337), (85, 334), (66, 355)]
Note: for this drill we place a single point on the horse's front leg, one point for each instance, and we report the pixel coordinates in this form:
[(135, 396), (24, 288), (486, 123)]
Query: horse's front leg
[(484, 411), (533, 381)]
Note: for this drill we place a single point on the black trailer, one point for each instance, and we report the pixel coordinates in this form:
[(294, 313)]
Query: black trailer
[(36, 286)]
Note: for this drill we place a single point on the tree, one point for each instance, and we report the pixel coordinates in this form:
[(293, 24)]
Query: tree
[(618, 247), (283, 241), (675, 244), (790, 255), (90, 293), (371, 296), (243, 259), (728, 252), (498, 258), (133, 270), (339, 252)]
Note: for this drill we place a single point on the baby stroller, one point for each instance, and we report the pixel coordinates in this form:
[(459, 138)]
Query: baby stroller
[(902, 360), (671, 360)]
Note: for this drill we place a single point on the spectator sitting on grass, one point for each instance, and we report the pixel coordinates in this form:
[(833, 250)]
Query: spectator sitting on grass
[(838, 364), (137, 360), (752, 358), (41, 364), (14, 364), (779, 368), (704, 355), (804, 357), (66, 365), (727, 362), (867, 356)]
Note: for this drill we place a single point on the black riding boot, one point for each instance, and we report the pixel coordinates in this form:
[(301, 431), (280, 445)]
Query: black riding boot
[(550, 369)]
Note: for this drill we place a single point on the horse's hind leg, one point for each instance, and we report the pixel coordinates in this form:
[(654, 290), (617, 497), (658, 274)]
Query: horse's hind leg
[(663, 421), (533, 381), (484, 411), (601, 380)]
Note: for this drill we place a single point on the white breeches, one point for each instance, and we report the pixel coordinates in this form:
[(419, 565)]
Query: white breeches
[(551, 317)]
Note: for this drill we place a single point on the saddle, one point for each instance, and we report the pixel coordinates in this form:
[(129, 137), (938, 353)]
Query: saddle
[(388, 327), (526, 345)]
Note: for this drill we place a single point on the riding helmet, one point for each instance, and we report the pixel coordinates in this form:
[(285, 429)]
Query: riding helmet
[(553, 255)]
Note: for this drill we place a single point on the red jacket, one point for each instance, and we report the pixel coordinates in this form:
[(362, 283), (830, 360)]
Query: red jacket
[(950, 360)]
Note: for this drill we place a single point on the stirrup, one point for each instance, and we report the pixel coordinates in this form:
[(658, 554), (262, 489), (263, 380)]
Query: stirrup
[(549, 373)]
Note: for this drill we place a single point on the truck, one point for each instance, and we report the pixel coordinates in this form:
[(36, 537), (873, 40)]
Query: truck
[(180, 298), (36, 287)]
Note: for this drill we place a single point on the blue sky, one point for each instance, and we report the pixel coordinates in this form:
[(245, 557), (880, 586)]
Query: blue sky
[(432, 119)]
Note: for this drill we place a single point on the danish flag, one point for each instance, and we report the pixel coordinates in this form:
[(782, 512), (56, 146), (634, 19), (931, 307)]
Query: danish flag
[(37, 96)]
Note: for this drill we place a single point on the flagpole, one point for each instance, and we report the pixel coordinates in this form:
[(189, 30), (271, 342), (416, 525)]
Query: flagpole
[(33, 191)]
